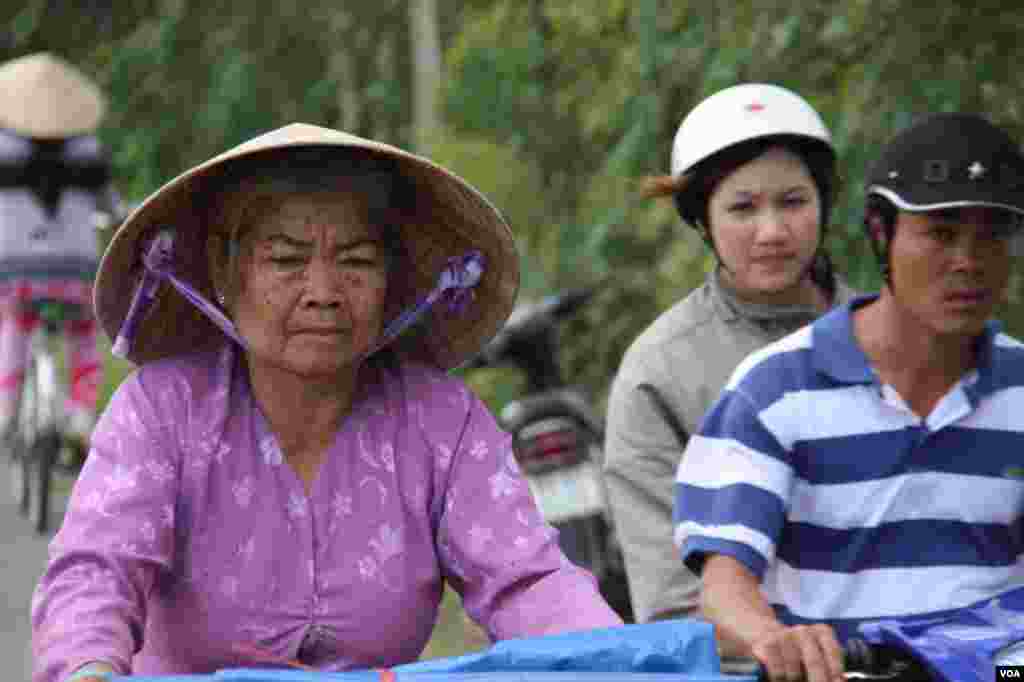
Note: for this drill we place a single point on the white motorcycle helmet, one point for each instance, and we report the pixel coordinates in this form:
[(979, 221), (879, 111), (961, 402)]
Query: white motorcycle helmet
[(741, 113)]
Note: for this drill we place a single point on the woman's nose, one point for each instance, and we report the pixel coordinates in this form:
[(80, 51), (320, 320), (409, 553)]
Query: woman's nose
[(322, 283), (772, 226)]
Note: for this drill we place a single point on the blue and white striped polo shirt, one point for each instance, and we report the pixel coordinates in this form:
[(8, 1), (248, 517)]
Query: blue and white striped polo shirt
[(847, 505)]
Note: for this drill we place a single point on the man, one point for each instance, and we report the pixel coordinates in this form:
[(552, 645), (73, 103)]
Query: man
[(864, 466)]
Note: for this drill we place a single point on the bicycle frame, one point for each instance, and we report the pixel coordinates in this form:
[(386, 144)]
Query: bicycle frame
[(43, 385), (40, 420)]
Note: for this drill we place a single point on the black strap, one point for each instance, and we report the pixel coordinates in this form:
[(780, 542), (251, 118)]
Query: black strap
[(37, 172), (669, 416), (49, 178)]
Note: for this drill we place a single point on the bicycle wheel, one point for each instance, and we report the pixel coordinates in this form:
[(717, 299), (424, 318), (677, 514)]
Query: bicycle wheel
[(42, 454), (17, 442), (19, 475), (34, 442)]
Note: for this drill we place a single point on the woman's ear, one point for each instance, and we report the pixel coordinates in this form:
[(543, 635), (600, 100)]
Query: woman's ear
[(218, 262)]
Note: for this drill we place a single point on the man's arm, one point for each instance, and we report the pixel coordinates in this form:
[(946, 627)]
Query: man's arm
[(732, 490), (746, 625)]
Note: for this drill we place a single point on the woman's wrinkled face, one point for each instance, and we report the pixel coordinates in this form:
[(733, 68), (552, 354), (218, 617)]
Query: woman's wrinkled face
[(764, 220), (312, 281)]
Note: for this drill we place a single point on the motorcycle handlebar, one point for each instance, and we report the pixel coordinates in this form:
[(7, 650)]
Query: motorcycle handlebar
[(864, 661), (571, 300), (528, 318)]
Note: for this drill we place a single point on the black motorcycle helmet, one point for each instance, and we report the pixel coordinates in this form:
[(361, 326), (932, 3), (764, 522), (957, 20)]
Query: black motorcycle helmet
[(947, 160)]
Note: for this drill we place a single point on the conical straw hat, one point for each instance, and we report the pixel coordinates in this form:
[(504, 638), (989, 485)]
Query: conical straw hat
[(43, 96), (448, 217)]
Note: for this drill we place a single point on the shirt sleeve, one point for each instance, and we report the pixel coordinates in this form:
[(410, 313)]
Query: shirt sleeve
[(497, 551), (732, 487), (642, 454), (117, 536)]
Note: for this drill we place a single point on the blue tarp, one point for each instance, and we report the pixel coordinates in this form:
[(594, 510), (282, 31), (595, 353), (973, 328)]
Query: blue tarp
[(959, 646), (675, 646), (667, 651)]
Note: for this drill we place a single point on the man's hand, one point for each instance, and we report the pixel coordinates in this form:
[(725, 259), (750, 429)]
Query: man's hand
[(746, 626), (800, 652)]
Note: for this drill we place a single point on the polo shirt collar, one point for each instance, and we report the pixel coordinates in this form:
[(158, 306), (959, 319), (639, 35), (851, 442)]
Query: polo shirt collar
[(837, 354), (834, 347), (989, 369)]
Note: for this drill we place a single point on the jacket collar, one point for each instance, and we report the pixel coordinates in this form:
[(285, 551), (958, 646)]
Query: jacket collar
[(730, 307)]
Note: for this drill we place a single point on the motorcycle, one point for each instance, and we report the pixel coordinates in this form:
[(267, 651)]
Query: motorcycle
[(976, 643), (558, 439)]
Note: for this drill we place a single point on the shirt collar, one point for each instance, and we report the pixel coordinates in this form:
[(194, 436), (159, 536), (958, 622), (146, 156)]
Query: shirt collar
[(837, 354), (989, 369)]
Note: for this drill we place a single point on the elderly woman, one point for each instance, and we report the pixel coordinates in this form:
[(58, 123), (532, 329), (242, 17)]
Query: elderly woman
[(285, 479)]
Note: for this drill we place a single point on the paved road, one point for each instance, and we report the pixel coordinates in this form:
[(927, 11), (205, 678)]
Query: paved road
[(22, 557)]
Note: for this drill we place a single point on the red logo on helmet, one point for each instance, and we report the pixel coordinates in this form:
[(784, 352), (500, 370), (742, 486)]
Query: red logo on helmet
[(755, 107)]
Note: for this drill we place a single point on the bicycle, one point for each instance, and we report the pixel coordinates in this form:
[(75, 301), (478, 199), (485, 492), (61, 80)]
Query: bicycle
[(36, 444)]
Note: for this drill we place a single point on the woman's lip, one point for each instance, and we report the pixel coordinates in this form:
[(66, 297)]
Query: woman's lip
[(774, 258)]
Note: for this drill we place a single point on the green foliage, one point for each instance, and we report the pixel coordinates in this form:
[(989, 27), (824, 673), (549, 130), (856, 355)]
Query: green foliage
[(553, 108)]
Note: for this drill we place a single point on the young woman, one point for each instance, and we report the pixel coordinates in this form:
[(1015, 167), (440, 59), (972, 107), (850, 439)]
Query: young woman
[(753, 171)]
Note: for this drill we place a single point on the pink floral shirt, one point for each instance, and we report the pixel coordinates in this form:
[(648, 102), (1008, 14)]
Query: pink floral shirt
[(188, 537)]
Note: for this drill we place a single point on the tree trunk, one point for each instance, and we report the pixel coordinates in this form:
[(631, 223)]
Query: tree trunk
[(426, 84)]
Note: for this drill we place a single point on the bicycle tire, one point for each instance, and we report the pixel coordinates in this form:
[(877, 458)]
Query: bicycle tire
[(19, 477), (44, 454)]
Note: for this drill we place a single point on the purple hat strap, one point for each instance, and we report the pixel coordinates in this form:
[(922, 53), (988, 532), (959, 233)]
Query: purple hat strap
[(158, 265), (454, 288)]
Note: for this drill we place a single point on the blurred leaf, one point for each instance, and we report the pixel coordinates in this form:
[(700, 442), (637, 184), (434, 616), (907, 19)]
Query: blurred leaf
[(27, 20)]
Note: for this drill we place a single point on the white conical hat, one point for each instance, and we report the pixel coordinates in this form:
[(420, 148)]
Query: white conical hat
[(41, 95)]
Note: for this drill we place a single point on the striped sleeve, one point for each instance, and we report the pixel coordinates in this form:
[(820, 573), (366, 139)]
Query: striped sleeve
[(732, 487)]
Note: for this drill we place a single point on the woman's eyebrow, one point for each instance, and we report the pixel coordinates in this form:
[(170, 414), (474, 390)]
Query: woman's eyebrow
[(287, 240), (356, 243)]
